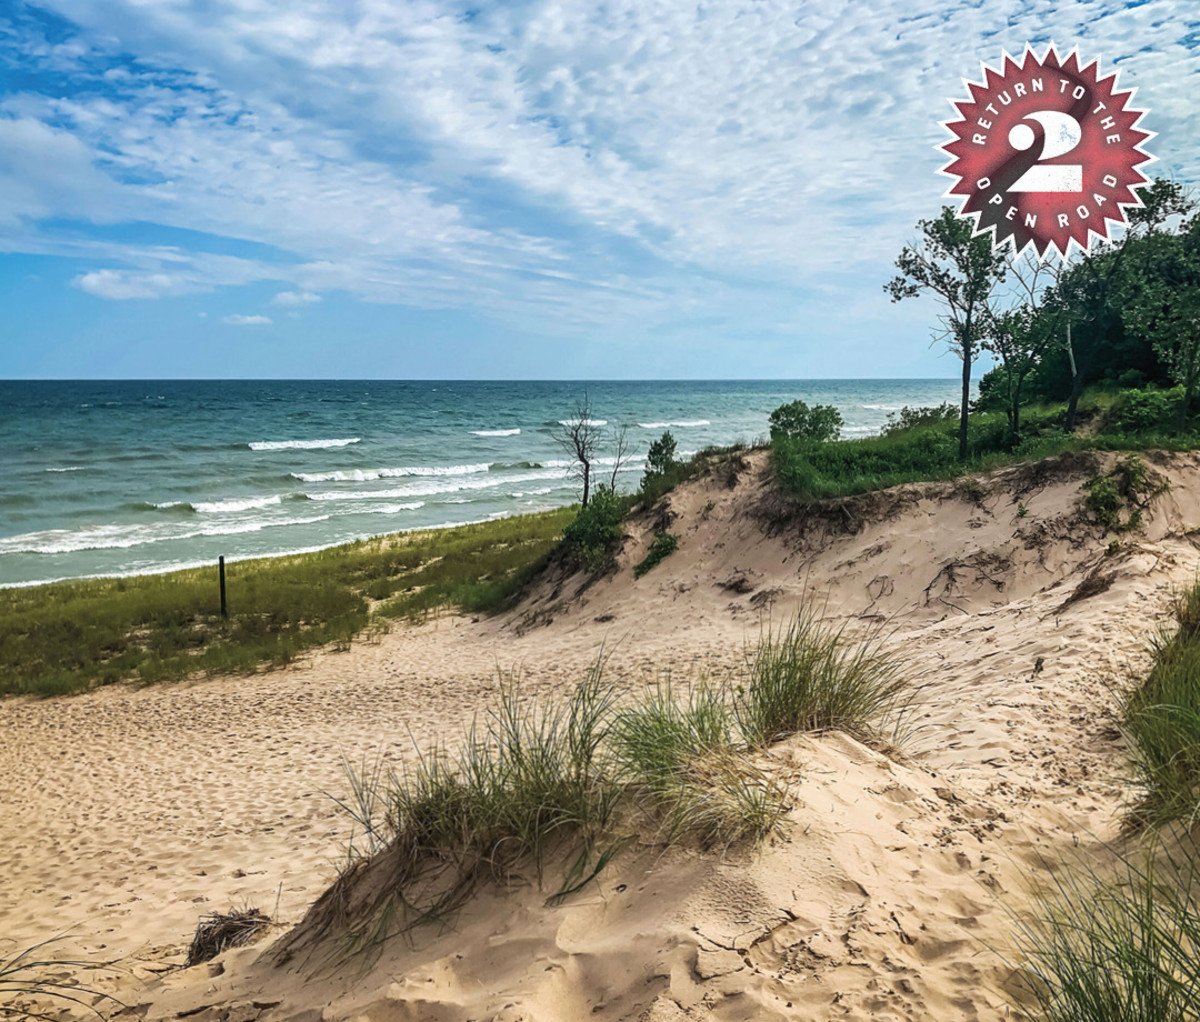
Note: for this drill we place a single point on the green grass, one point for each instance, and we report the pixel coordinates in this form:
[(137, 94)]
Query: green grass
[(577, 780), (665, 544), (810, 676), (1161, 720), (924, 447), (70, 636), (1123, 950)]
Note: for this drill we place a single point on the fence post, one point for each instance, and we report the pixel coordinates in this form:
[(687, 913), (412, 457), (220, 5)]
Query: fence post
[(221, 568)]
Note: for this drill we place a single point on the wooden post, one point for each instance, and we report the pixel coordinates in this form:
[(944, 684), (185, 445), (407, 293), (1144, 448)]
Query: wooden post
[(221, 568)]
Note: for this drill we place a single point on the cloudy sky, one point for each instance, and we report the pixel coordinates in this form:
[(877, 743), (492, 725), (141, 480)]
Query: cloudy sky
[(420, 189)]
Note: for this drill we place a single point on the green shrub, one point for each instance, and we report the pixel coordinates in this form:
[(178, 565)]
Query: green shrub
[(913, 418), (593, 537), (796, 421), (1141, 410), (665, 543)]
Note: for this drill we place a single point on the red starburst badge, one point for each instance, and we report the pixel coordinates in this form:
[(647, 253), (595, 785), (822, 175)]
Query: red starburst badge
[(1046, 153)]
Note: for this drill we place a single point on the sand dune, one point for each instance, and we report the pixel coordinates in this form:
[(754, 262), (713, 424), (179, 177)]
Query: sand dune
[(890, 893)]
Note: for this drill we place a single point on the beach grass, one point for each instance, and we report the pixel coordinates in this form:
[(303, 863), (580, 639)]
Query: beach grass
[(809, 675), (1161, 720), (69, 636), (580, 778), (1117, 949)]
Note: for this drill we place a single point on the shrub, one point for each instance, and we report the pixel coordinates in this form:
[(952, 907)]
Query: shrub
[(796, 421), (592, 538), (1139, 410), (661, 457), (665, 543), (913, 418)]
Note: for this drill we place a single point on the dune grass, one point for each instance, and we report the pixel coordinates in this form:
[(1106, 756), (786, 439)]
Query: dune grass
[(579, 779), (71, 635), (1161, 720), (808, 675), (1118, 950)]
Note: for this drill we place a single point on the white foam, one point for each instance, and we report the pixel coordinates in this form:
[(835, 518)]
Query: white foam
[(234, 504), (429, 489), (387, 509), (300, 445), (583, 422), (884, 408), (680, 425), (123, 537), (69, 468), (365, 475), (494, 432)]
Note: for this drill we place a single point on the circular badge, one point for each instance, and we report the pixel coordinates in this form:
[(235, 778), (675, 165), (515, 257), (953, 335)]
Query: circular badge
[(1045, 153)]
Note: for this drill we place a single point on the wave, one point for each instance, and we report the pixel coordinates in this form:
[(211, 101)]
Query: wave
[(682, 424), (494, 432), (122, 537), (300, 445), (430, 489), (883, 408), (388, 509), (235, 504), (366, 475), (585, 422), (69, 468)]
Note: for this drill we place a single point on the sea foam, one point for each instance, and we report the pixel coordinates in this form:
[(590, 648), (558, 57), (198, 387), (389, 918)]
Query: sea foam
[(300, 445)]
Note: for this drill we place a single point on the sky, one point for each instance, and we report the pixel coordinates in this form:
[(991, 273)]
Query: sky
[(572, 190)]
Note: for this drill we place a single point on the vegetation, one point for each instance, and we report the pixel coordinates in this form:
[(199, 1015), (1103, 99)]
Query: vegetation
[(572, 780), (808, 677), (796, 421), (1161, 719), (1118, 951), (71, 635), (665, 543), (29, 978), (592, 538)]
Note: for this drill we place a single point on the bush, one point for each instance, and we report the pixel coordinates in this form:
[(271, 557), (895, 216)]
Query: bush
[(661, 457), (593, 537), (796, 421), (665, 543), (1140, 410), (912, 418)]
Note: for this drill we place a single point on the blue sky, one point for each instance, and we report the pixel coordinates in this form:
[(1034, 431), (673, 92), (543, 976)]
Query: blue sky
[(414, 189)]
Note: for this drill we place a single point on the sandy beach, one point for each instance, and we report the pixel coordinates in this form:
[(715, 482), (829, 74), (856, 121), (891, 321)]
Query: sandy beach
[(890, 893)]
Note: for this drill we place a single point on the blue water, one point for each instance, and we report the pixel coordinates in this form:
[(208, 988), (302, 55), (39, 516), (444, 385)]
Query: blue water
[(128, 477)]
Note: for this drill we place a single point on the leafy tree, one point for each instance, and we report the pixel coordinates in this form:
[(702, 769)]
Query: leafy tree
[(962, 273), (796, 421), (1162, 303), (594, 534)]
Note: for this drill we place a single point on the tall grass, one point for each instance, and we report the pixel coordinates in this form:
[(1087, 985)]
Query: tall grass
[(810, 676), (71, 635), (1118, 951), (1161, 719), (536, 780)]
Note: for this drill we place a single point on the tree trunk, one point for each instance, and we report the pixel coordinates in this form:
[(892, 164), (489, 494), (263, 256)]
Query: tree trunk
[(1073, 403), (1014, 418), (587, 480), (966, 398)]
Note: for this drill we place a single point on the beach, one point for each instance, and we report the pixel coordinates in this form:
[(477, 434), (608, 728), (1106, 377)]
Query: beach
[(891, 892)]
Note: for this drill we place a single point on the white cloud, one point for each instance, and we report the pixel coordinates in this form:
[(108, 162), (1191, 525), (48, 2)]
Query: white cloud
[(237, 319), (295, 298), (573, 163)]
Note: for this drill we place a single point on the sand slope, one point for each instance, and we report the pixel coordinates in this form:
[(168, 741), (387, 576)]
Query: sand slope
[(127, 813)]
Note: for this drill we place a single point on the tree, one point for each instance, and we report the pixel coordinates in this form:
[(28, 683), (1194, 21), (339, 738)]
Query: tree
[(796, 421), (1162, 302), (660, 459), (1021, 335), (1090, 291), (962, 272), (580, 437)]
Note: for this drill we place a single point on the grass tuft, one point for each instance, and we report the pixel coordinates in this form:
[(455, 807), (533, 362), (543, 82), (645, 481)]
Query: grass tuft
[(1123, 951), (810, 676), (28, 977)]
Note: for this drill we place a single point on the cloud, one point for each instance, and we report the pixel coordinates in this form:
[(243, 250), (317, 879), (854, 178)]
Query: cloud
[(239, 320), (575, 165), (295, 298)]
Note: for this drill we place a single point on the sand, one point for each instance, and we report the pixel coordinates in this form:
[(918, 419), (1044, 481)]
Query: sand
[(890, 893)]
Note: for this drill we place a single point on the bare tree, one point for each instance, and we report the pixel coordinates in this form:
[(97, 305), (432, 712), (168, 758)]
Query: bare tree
[(620, 449), (580, 437)]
